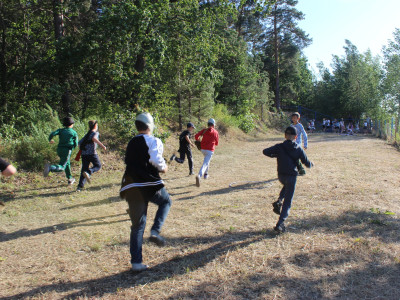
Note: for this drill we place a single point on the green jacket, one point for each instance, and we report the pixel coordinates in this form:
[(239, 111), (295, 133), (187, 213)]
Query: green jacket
[(68, 138)]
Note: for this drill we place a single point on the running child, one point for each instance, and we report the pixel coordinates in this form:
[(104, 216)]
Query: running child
[(88, 146), (184, 147), (68, 140), (142, 184), (6, 169), (299, 139), (210, 138), (287, 153)]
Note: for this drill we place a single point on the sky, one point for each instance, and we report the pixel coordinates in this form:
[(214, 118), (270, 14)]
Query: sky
[(368, 24)]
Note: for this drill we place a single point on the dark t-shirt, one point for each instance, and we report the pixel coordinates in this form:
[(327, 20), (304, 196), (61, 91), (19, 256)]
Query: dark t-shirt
[(3, 165), (183, 143)]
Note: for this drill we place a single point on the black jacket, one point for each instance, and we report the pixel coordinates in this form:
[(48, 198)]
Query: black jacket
[(288, 153)]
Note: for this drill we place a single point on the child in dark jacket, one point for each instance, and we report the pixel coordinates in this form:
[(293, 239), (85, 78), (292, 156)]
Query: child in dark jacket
[(88, 146), (287, 153), (184, 147), (67, 142)]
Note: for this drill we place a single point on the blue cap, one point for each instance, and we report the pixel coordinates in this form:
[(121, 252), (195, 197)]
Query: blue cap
[(190, 124)]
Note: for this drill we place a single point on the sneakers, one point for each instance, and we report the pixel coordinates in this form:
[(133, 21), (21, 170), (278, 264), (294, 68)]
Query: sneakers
[(191, 173), (172, 157), (139, 267), (277, 206), (205, 176), (87, 176), (46, 170), (79, 189), (198, 180), (157, 239), (302, 172), (280, 229), (71, 181)]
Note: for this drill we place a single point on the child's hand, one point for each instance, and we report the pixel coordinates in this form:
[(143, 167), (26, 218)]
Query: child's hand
[(51, 142), (104, 148)]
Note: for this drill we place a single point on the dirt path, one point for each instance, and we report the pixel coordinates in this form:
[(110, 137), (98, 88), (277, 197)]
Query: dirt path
[(343, 239)]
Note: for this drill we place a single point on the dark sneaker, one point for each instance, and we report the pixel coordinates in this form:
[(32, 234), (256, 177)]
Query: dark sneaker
[(280, 229), (172, 157), (139, 267), (198, 180), (191, 173), (157, 239), (87, 176), (71, 181), (277, 207), (79, 189), (46, 170), (205, 176)]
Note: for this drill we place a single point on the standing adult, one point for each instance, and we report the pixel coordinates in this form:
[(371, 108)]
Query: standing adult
[(210, 138)]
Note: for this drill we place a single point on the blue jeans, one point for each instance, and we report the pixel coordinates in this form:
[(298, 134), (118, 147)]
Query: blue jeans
[(206, 163), (86, 160), (287, 192), (138, 200)]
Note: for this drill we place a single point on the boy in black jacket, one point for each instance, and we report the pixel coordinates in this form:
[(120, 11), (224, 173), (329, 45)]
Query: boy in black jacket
[(184, 147), (287, 154), (142, 184)]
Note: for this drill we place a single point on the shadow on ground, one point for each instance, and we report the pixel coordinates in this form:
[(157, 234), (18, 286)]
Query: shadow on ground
[(344, 273)]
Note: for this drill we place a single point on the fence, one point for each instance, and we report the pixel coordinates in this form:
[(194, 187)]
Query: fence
[(387, 129)]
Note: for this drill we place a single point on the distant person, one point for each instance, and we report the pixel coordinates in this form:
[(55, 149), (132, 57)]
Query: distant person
[(287, 153), (6, 170), (350, 128), (300, 138), (311, 126), (365, 128), (210, 139), (323, 124), (328, 125), (336, 125), (357, 128), (142, 184), (68, 140), (342, 127), (88, 146), (184, 147)]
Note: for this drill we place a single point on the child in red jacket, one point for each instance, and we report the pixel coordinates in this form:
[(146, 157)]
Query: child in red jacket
[(209, 140)]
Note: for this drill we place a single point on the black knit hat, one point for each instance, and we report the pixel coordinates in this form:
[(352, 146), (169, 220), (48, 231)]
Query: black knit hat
[(68, 121)]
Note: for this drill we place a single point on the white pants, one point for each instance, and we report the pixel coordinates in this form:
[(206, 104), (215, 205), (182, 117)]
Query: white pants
[(206, 163)]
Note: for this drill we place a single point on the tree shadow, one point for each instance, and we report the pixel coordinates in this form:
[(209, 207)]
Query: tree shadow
[(176, 266), (4, 237), (235, 187), (95, 203)]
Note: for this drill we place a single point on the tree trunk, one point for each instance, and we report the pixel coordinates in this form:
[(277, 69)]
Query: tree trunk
[(276, 53), (3, 68), (59, 33), (179, 100)]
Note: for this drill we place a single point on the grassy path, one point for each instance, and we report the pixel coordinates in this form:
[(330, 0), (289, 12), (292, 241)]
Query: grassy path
[(343, 240)]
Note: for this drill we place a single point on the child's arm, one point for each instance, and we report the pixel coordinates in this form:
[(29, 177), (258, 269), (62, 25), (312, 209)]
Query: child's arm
[(271, 151), (96, 140), (53, 134), (196, 137), (304, 159), (304, 133), (156, 150), (189, 141)]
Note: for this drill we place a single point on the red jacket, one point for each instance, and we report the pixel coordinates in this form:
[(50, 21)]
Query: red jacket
[(209, 140)]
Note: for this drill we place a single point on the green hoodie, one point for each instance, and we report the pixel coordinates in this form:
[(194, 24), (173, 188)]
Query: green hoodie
[(68, 138)]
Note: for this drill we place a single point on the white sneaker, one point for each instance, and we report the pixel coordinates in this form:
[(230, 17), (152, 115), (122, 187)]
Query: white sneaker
[(139, 267), (71, 181), (46, 170), (198, 180), (87, 176)]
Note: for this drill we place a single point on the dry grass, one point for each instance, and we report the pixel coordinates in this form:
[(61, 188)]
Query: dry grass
[(343, 240)]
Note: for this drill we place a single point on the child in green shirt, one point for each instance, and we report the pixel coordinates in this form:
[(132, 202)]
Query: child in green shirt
[(68, 140)]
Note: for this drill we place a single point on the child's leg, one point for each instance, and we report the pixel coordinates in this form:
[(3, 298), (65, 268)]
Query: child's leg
[(85, 168), (64, 165), (162, 199), (190, 160), (290, 186), (138, 213), (181, 157), (94, 159)]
